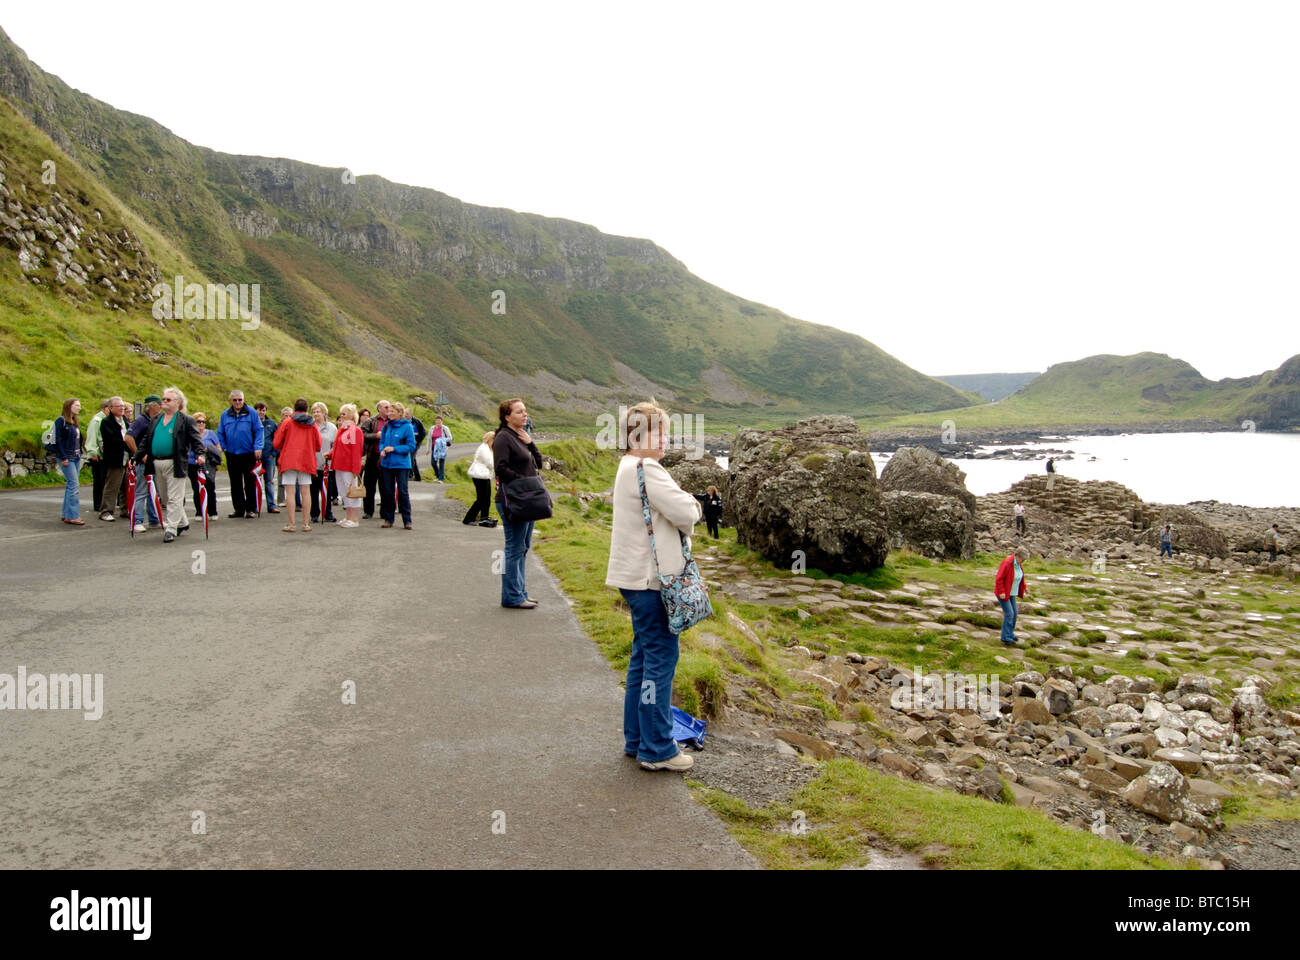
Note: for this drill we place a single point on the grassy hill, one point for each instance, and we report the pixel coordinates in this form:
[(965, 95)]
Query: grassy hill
[(989, 386), (56, 346), (405, 277), (1141, 388)]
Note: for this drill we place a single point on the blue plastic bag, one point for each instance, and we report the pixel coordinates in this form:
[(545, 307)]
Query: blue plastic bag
[(688, 730)]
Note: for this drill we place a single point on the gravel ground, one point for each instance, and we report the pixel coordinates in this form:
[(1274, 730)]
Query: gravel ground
[(1264, 845)]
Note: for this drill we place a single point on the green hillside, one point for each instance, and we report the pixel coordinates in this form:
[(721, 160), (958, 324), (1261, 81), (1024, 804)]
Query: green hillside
[(75, 345), (406, 277), (1142, 388)]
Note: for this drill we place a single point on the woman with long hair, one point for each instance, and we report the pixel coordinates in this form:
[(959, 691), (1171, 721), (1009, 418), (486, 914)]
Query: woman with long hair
[(67, 435), (514, 455)]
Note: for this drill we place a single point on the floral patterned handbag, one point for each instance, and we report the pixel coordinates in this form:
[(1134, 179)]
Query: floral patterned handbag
[(684, 594)]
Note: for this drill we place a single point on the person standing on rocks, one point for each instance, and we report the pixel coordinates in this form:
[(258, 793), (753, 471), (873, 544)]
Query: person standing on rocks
[(1020, 519), (480, 471), (647, 697), (1270, 538), (1167, 542), (1008, 585), (514, 455), (712, 501)]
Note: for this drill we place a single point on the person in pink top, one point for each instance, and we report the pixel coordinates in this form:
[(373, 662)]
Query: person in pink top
[(348, 448)]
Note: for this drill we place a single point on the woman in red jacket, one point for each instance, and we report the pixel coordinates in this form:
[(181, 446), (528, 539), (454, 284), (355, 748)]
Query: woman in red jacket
[(298, 440), (1007, 586), (347, 461)]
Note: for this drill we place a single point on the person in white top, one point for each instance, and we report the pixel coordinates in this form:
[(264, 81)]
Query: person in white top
[(647, 699), (481, 472), (1020, 518), (322, 504)]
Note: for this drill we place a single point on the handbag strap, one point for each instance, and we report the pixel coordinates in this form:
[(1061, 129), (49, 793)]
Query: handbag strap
[(645, 515)]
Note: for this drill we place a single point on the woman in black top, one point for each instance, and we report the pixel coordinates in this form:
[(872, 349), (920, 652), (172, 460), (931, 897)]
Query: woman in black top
[(712, 501), (514, 455)]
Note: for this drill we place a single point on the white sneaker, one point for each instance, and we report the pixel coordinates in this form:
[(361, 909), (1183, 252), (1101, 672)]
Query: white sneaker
[(138, 528), (348, 523), (678, 764)]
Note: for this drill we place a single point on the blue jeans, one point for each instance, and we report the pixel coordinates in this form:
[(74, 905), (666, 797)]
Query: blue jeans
[(519, 537), (268, 478), (648, 700), (1009, 614), (1167, 548), (72, 491), (440, 468), (142, 497), (388, 479)]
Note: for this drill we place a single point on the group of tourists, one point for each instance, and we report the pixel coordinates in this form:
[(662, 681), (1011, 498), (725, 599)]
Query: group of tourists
[(319, 463)]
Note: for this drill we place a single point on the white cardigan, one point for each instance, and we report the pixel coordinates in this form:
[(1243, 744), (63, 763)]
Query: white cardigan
[(672, 509), (481, 468)]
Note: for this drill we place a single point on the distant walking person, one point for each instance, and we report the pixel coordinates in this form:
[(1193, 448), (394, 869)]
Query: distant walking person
[(113, 455), (1271, 540), (1008, 585), (1020, 518), (298, 442), (438, 449), (396, 446), (647, 698), (481, 471), (67, 439), (173, 436), (514, 455), (347, 462), (134, 440), (239, 434), (712, 501), (1167, 542)]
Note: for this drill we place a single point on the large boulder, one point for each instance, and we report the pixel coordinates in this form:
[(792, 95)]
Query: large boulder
[(1191, 533), (1162, 792), (930, 524), (809, 491), (919, 470), (694, 476)]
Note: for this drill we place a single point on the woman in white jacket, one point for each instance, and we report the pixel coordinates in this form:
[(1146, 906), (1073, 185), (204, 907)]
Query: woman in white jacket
[(481, 472), (647, 701)]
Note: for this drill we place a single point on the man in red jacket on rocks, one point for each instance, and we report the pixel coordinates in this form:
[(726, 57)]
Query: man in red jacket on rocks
[(1007, 586)]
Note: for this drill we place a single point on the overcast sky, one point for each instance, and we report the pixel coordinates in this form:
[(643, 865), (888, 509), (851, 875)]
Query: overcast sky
[(973, 186)]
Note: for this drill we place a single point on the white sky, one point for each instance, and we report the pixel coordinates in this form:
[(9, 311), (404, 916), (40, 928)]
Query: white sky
[(974, 186)]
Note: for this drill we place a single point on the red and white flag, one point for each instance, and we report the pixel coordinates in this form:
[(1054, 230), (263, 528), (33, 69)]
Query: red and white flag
[(202, 479), (258, 473), (153, 496), (130, 499)]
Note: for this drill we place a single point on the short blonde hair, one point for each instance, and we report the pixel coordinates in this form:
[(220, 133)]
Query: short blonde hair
[(489, 436), (321, 407), (640, 424), (350, 410), (398, 407)]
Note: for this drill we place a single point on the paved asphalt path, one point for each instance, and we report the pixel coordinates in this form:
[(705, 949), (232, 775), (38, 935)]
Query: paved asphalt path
[(223, 693)]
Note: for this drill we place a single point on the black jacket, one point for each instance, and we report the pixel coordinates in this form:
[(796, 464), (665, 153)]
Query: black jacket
[(186, 438), (511, 458)]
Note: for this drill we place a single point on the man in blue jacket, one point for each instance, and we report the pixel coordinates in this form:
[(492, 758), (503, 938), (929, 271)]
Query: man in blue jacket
[(396, 445), (241, 438)]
